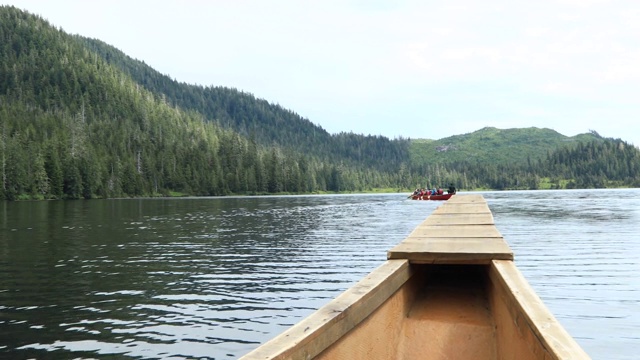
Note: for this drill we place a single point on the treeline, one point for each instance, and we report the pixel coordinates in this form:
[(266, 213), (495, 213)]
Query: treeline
[(62, 155), (598, 163), (595, 165)]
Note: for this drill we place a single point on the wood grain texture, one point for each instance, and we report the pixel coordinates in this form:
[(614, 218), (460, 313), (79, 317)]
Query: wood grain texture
[(526, 328), (317, 332), (458, 232)]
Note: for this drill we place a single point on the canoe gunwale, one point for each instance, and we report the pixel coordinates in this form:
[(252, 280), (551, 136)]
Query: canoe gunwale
[(320, 330), (528, 308)]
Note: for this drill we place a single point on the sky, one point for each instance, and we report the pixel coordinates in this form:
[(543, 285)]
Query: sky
[(418, 69)]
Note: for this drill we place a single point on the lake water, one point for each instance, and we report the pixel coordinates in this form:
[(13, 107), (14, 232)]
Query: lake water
[(212, 278)]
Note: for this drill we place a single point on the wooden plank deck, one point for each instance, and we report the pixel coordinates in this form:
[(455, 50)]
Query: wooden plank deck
[(460, 231), (459, 219)]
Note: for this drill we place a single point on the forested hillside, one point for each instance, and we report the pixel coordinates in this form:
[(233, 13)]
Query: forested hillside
[(75, 126), (265, 122), (595, 165), (80, 119), (594, 162)]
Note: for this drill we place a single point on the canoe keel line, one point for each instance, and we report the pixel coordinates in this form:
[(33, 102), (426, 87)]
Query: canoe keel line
[(450, 290)]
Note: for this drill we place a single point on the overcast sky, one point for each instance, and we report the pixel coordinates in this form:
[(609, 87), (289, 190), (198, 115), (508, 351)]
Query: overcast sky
[(419, 69)]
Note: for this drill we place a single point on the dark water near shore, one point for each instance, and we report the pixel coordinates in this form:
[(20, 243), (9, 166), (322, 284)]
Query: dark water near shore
[(213, 278)]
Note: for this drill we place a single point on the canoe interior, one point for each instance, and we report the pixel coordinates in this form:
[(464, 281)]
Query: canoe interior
[(435, 315), (452, 312)]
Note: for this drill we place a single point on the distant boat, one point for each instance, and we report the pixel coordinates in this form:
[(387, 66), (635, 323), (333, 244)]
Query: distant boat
[(431, 197), (450, 290)]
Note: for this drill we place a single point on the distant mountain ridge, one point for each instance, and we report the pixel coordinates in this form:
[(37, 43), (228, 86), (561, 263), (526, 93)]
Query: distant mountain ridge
[(493, 145)]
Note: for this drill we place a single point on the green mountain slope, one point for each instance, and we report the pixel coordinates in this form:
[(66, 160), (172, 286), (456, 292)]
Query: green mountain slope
[(235, 109), (493, 146), (73, 126), (257, 118)]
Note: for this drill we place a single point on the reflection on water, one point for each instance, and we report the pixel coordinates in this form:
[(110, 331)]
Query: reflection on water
[(213, 278), (181, 278)]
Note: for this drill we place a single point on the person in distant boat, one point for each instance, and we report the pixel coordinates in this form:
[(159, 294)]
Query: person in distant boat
[(452, 189)]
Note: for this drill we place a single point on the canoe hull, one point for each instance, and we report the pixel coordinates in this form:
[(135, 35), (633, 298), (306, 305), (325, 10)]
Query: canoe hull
[(449, 291), (412, 311)]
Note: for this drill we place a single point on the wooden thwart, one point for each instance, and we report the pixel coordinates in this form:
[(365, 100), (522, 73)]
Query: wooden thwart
[(459, 219), (463, 208), (455, 231), (451, 250), (458, 232)]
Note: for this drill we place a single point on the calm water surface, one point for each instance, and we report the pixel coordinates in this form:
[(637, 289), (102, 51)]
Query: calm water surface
[(213, 278)]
